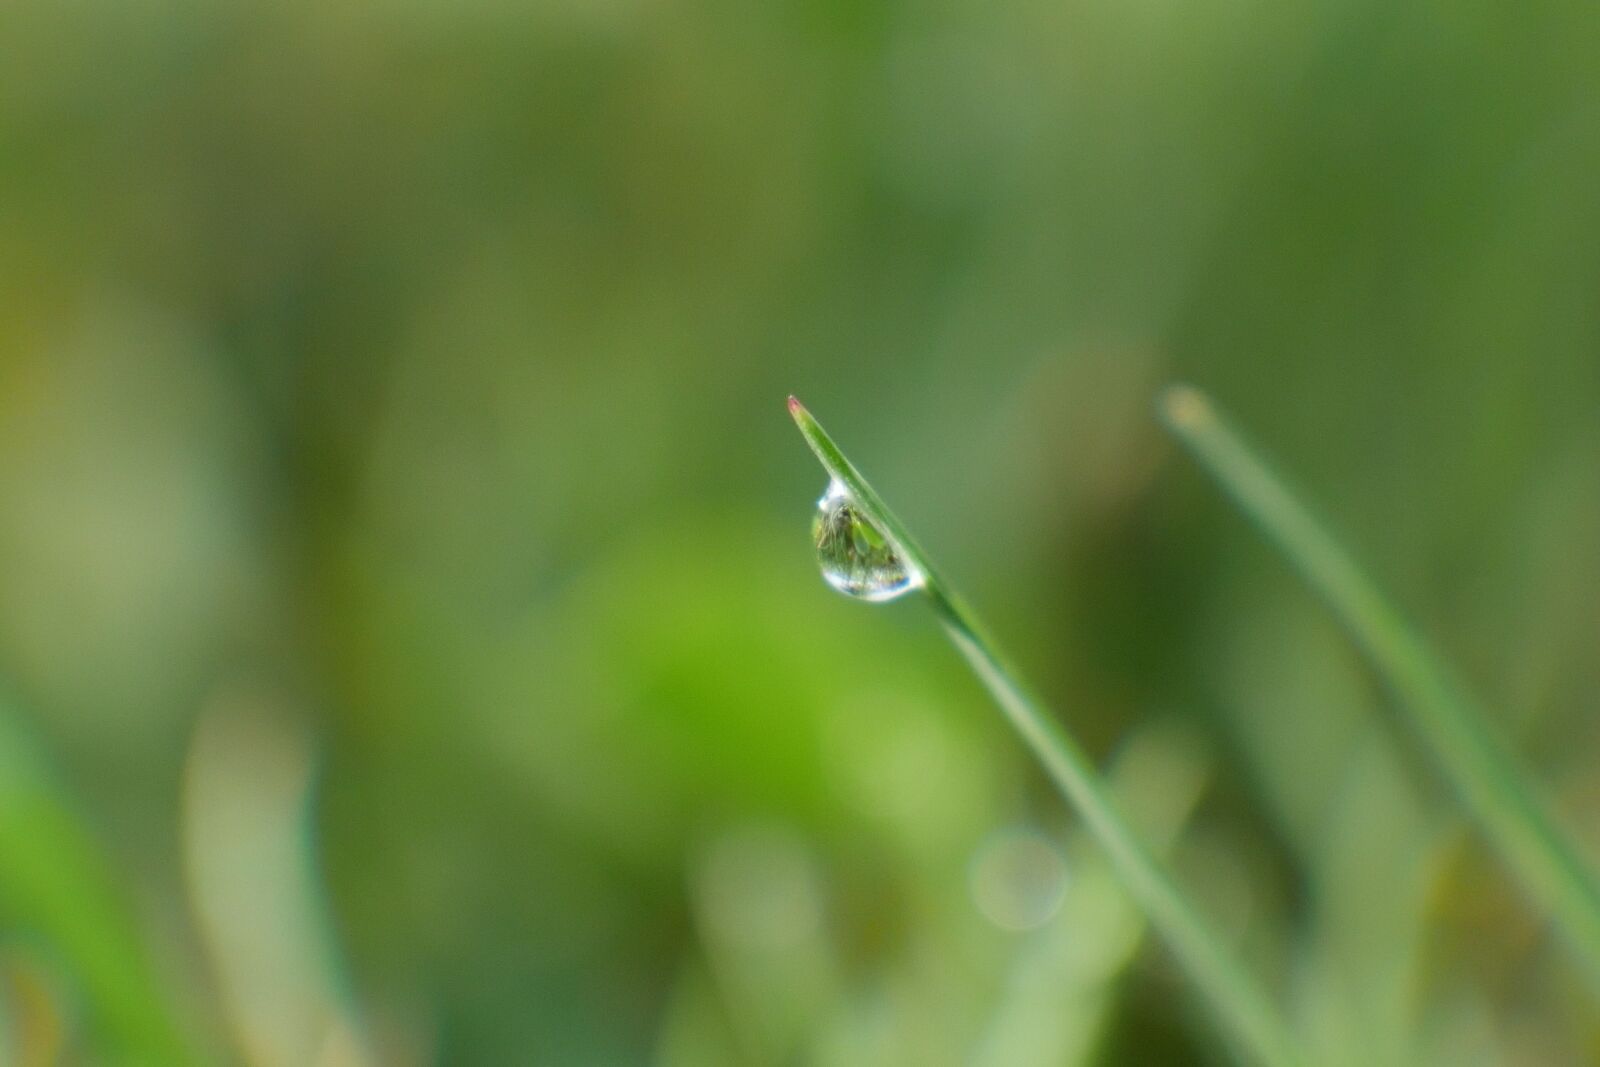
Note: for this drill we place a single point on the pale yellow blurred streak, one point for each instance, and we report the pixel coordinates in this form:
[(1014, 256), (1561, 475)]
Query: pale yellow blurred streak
[(757, 894), (33, 1031), (254, 891)]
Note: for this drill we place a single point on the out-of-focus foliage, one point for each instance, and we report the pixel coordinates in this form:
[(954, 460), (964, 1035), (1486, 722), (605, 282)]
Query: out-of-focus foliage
[(409, 641)]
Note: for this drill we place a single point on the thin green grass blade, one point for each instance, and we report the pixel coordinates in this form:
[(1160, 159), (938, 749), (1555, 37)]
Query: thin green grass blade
[(58, 890), (1060, 994), (1248, 1016), (1542, 857)]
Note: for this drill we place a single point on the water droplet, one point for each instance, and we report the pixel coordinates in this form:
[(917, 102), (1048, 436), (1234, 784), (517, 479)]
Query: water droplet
[(856, 557)]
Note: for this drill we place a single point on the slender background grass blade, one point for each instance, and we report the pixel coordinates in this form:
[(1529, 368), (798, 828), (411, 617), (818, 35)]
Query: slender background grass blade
[(1455, 730)]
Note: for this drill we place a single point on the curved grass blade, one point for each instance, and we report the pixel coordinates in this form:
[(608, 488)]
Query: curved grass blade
[(58, 889), (1060, 993), (247, 804), (1247, 1014), (1450, 724)]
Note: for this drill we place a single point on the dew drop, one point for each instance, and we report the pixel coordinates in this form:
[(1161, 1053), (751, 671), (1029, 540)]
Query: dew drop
[(856, 557)]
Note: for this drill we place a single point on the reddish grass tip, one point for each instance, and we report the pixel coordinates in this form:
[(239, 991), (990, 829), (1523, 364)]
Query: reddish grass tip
[(794, 405)]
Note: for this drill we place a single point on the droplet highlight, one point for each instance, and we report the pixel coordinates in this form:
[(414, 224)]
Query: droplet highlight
[(857, 558), (1018, 879)]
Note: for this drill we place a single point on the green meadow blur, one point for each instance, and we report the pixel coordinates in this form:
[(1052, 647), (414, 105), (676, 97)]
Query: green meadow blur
[(411, 646)]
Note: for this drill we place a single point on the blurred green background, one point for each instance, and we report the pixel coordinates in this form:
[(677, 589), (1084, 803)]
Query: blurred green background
[(411, 649)]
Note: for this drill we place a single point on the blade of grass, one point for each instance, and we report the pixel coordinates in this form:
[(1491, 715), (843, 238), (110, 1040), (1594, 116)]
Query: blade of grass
[(59, 890), (247, 829), (1060, 994), (1495, 791), (1249, 1016)]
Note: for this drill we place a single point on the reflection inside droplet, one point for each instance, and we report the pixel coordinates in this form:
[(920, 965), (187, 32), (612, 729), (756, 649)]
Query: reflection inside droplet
[(1018, 878), (856, 557)]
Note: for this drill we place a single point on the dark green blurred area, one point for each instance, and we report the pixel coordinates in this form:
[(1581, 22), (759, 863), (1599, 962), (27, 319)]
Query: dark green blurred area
[(411, 646)]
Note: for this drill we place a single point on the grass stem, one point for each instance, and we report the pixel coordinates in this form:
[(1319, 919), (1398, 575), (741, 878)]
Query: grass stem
[(1249, 1016), (1542, 857)]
